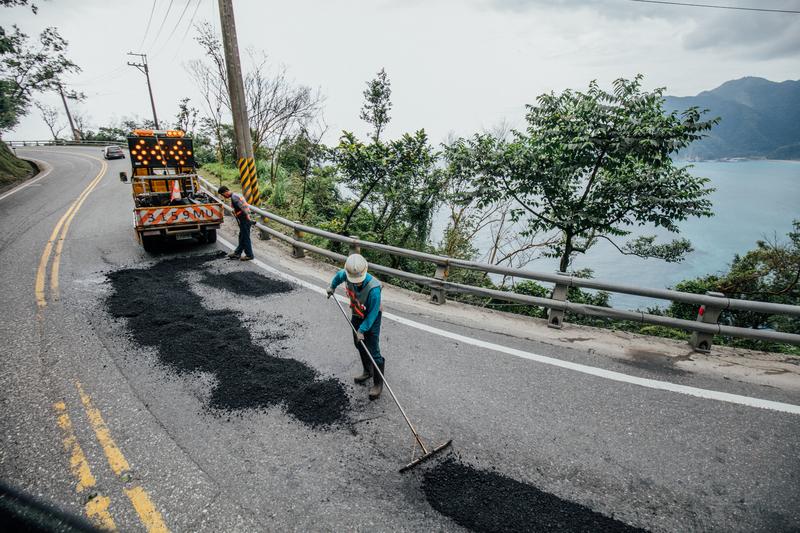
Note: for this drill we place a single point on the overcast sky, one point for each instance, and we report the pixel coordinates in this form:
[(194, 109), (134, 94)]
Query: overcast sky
[(456, 66)]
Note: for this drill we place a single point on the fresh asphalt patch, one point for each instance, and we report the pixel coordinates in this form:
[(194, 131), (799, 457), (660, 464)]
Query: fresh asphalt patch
[(487, 501), (163, 312), (246, 283)]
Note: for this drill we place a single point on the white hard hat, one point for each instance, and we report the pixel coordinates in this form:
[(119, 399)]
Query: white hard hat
[(355, 268)]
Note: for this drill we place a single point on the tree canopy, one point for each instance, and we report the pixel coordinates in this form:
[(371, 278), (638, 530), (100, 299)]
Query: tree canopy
[(591, 165), (28, 67)]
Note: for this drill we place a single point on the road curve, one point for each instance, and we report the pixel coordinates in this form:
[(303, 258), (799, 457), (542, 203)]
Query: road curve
[(96, 425)]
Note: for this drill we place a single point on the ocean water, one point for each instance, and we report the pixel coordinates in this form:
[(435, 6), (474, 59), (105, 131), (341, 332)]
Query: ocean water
[(753, 200)]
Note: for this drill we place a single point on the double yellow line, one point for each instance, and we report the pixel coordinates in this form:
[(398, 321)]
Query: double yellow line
[(97, 505), (56, 241)]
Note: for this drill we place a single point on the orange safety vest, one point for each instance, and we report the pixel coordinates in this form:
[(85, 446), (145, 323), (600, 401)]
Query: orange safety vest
[(239, 205), (358, 298)]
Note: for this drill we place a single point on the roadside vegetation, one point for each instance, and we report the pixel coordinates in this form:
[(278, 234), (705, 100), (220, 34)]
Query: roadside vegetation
[(587, 166), (28, 66)]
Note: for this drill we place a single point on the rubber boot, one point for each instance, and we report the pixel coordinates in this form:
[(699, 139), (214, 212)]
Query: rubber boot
[(367, 373), (377, 383)]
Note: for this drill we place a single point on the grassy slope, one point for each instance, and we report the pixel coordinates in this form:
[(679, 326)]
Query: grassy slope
[(12, 168), (221, 175)]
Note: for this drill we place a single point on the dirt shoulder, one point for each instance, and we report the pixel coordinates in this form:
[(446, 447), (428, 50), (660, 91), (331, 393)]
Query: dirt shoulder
[(749, 366)]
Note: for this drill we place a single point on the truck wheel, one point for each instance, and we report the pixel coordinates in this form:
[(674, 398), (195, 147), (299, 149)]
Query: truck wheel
[(210, 236), (150, 244)]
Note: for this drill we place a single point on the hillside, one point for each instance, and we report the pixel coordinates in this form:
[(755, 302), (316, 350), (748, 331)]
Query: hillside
[(12, 169), (760, 119)]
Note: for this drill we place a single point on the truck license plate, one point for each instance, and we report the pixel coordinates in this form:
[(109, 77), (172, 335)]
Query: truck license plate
[(183, 237)]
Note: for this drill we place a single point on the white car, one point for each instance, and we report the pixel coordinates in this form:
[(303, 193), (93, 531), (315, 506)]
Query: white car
[(113, 152)]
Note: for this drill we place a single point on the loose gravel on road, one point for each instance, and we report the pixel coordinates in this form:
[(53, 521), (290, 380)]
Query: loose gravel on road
[(487, 501), (163, 312)]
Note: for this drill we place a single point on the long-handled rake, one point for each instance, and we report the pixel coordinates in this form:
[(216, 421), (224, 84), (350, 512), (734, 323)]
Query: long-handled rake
[(426, 453)]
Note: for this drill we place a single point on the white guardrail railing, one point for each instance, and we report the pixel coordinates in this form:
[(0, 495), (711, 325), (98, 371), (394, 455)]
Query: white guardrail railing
[(703, 328), (63, 142)]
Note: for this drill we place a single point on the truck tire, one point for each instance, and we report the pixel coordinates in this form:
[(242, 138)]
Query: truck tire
[(150, 244), (210, 236)]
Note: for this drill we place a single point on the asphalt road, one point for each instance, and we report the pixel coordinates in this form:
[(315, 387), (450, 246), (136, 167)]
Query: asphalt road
[(96, 426)]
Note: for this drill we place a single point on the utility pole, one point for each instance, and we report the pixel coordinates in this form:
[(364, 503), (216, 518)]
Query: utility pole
[(143, 67), (241, 125), (76, 135)]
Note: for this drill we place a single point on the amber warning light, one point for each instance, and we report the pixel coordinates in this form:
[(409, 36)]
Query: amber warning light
[(161, 152)]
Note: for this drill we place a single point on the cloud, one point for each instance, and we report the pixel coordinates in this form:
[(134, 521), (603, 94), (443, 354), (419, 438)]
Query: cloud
[(749, 34), (759, 35)]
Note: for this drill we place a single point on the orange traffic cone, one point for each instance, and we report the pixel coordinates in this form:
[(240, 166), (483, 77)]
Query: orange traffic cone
[(176, 191)]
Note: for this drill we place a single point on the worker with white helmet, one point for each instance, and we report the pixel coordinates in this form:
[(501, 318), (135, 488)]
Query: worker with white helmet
[(364, 292)]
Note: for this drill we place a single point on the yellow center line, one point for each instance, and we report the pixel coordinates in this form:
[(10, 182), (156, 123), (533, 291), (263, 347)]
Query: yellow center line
[(97, 507), (148, 514), (41, 272), (115, 458), (60, 243), (97, 510), (62, 226)]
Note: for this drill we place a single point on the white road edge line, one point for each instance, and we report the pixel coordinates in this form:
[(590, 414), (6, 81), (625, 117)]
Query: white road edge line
[(577, 367), (43, 174)]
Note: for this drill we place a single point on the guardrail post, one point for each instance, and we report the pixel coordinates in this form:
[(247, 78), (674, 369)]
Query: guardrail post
[(355, 248), (298, 252), (438, 294), (263, 235), (555, 317), (708, 314)]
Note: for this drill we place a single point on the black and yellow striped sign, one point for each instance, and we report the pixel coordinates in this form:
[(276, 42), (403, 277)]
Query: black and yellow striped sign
[(249, 180)]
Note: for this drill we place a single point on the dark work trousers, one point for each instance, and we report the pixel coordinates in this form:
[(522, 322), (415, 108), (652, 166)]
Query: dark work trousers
[(245, 245), (371, 339)]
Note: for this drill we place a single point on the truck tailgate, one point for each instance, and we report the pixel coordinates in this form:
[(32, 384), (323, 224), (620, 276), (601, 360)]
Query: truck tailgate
[(178, 214)]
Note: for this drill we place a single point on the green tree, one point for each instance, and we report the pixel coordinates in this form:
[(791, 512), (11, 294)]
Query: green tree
[(365, 166), (592, 165), (377, 105), (402, 207), (186, 118), (27, 68)]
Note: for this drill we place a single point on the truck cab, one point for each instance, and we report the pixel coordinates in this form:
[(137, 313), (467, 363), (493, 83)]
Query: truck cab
[(168, 201)]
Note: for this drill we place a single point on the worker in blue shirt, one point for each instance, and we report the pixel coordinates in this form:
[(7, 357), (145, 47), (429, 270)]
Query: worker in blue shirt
[(364, 292)]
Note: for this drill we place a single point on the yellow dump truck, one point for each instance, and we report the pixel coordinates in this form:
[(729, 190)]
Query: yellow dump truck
[(168, 201)]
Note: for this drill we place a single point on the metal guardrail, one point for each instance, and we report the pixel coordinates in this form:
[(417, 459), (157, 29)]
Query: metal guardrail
[(62, 142), (703, 328)]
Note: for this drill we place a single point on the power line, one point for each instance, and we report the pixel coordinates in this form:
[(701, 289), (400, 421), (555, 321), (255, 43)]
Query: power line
[(174, 30), (172, 33), (163, 20), (188, 29), (149, 20), (737, 8)]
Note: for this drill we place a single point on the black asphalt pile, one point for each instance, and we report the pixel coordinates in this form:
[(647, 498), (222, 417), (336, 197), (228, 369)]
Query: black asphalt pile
[(246, 283), (486, 501), (163, 312)]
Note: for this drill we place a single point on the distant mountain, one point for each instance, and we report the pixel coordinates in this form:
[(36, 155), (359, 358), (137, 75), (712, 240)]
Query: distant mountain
[(759, 119)]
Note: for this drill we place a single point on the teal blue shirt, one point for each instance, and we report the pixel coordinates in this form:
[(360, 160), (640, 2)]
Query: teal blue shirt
[(373, 300)]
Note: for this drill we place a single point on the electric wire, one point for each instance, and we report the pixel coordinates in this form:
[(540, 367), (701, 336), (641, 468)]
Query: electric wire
[(117, 72), (712, 6), (149, 21), (163, 21), (180, 18), (188, 29)]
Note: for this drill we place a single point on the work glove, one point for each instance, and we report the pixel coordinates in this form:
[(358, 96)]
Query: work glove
[(330, 291), (360, 336)]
